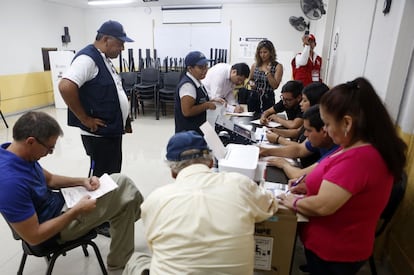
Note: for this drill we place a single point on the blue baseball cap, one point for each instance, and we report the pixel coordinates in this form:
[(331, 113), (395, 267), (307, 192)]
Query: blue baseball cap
[(184, 141), (196, 58), (115, 29)]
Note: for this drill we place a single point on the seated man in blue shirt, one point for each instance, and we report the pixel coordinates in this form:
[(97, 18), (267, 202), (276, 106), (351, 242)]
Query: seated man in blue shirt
[(34, 207), (318, 142), (291, 96)]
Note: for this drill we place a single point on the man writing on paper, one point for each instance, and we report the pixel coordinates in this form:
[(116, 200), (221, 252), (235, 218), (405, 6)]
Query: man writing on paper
[(204, 222), (220, 81), (290, 98), (30, 204)]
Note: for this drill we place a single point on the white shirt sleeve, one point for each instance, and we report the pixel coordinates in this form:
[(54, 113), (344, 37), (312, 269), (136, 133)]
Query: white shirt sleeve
[(188, 89), (82, 69), (302, 58)]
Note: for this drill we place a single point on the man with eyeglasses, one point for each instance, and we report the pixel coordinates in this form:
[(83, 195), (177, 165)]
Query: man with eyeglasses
[(290, 98), (97, 102), (222, 78), (31, 201)]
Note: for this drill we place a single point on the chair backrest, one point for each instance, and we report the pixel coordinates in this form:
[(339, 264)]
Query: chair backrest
[(129, 79), (397, 194), (150, 76), (14, 233), (171, 80)]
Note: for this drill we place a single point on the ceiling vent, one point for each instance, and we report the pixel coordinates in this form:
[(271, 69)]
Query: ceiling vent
[(191, 14)]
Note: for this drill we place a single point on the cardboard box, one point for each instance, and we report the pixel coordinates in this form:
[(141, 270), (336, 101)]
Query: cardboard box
[(275, 241)]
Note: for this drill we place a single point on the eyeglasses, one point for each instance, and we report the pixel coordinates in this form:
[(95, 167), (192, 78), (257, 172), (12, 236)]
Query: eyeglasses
[(50, 149), (286, 99)]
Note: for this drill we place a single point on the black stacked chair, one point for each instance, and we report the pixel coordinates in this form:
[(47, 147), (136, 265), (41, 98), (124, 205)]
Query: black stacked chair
[(147, 89), (129, 80), (167, 93)]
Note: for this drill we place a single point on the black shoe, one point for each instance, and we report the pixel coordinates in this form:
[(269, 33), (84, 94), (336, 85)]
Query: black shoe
[(304, 268), (103, 229)]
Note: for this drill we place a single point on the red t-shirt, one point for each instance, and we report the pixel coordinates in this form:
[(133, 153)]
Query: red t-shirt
[(348, 234)]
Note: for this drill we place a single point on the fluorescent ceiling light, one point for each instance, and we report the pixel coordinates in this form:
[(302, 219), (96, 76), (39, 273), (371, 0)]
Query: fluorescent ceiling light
[(109, 2)]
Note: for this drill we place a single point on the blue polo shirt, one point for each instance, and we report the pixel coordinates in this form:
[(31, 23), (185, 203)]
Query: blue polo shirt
[(23, 190), (323, 152)]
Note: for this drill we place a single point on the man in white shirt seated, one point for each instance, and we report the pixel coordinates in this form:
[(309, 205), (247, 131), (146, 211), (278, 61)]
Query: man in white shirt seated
[(222, 78), (204, 222)]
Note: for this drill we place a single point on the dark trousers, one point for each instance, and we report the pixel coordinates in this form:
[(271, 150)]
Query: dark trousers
[(317, 266), (105, 153)]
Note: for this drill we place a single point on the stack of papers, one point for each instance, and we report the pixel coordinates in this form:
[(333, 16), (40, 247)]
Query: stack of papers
[(240, 114), (278, 189), (270, 124)]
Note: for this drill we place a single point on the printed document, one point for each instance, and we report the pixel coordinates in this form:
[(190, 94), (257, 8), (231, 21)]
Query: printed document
[(74, 194)]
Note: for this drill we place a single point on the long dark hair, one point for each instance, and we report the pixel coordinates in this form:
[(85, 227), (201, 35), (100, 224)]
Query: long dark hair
[(269, 46), (372, 122)]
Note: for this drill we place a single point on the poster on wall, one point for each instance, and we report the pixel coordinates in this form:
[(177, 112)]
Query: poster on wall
[(59, 63), (248, 45)]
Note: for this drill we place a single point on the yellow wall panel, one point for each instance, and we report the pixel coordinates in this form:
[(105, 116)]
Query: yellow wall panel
[(25, 91)]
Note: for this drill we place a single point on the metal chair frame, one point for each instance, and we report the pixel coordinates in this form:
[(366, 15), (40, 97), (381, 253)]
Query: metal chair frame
[(51, 250)]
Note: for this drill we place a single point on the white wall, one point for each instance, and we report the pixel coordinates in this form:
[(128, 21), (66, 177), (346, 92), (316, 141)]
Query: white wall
[(353, 20), (41, 24), (24, 31), (373, 45)]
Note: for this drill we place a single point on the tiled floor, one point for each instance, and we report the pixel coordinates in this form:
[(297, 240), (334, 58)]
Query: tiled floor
[(143, 151)]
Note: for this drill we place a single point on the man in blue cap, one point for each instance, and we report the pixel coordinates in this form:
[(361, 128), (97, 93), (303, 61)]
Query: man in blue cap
[(97, 102), (191, 97), (204, 222)]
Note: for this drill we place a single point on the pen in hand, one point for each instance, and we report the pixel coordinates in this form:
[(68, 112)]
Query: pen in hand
[(91, 169), (296, 182)]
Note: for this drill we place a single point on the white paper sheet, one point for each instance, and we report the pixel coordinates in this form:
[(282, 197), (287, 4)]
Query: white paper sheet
[(213, 141), (73, 195), (270, 124)]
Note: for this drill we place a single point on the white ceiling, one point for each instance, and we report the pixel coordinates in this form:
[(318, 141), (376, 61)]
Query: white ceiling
[(141, 3)]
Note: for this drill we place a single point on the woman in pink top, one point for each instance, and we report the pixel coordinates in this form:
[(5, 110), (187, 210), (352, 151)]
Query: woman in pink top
[(347, 191)]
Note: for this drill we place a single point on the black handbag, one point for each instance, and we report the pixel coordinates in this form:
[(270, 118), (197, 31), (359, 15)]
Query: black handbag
[(251, 98)]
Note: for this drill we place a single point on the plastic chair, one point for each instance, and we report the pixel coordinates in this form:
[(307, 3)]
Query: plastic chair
[(51, 250), (147, 90), (167, 93), (129, 80), (397, 194)]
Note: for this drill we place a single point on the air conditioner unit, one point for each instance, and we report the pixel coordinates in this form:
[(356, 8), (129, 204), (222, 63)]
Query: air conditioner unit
[(191, 14)]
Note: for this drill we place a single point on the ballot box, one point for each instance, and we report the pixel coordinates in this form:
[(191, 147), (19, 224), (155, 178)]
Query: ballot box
[(275, 242)]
